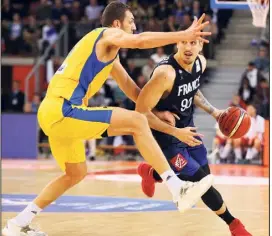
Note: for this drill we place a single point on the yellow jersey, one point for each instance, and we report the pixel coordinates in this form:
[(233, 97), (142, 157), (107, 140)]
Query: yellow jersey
[(81, 74)]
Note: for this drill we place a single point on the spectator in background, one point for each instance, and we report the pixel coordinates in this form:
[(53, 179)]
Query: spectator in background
[(187, 21), (36, 101), (162, 11), (262, 61), (196, 11), (141, 81), (76, 11), (170, 25), (179, 12), (254, 136), (17, 97), (237, 102), (49, 35), (218, 144), (44, 11), (93, 12), (262, 98), (98, 100), (209, 49), (132, 70), (31, 35), (27, 108), (148, 68), (6, 11), (123, 55), (152, 25), (246, 92), (159, 55), (252, 74), (58, 10), (14, 43)]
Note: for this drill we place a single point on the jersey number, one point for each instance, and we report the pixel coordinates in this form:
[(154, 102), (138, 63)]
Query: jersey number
[(186, 103)]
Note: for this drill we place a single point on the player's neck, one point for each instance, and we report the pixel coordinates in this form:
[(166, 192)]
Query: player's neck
[(187, 67)]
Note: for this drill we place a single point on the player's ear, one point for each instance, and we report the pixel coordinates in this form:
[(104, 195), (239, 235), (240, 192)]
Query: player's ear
[(116, 24), (178, 45)]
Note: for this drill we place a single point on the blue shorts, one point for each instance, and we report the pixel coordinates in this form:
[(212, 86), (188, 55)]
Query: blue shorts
[(186, 161)]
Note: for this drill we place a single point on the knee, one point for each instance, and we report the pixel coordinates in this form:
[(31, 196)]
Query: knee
[(77, 175), (257, 143), (236, 143), (139, 122)]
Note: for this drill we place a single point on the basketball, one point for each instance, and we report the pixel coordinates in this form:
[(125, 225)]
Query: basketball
[(234, 122)]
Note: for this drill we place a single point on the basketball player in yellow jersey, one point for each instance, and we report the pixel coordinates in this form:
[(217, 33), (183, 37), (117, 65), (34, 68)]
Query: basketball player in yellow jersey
[(66, 119)]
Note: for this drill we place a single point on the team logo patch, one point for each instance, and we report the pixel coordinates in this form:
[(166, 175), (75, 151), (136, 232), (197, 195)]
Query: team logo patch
[(178, 162)]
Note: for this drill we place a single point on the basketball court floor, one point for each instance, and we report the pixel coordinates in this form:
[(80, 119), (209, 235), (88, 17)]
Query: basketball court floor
[(110, 201)]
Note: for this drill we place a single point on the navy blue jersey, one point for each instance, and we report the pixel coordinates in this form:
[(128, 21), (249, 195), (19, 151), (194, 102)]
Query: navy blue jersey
[(180, 100)]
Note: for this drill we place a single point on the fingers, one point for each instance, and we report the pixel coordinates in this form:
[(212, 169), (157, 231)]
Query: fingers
[(194, 142), (176, 116), (202, 26), (203, 40), (193, 129), (201, 19), (199, 135)]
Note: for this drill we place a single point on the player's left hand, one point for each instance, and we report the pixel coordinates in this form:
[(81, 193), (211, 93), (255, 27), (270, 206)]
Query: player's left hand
[(217, 113)]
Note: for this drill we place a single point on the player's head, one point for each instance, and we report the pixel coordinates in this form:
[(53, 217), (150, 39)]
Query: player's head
[(251, 110), (118, 15), (188, 50)]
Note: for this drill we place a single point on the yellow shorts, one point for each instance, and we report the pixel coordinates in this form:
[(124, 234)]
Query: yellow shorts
[(68, 126)]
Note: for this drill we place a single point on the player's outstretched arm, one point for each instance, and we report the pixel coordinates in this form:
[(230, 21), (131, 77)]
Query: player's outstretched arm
[(119, 38), (161, 81)]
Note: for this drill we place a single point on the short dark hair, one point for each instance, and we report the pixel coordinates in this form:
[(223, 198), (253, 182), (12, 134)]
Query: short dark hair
[(114, 11), (251, 63)]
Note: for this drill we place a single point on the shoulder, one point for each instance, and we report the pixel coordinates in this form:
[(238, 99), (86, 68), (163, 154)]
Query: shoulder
[(163, 76), (203, 62), (165, 71)]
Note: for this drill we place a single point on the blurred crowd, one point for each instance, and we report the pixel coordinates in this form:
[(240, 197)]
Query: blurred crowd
[(253, 95), (29, 26)]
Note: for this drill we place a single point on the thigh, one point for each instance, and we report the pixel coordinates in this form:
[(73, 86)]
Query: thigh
[(126, 122), (83, 123), (199, 154), (67, 150), (180, 161)]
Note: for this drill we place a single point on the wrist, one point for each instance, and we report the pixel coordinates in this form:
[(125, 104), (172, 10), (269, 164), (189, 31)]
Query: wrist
[(216, 113), (173, 131)]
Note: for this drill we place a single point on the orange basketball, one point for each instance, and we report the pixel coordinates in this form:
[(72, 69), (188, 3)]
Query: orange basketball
[(234, 122)]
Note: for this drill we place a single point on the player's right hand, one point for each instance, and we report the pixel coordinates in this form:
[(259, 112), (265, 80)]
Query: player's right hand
[(194, 31), (187, 135)]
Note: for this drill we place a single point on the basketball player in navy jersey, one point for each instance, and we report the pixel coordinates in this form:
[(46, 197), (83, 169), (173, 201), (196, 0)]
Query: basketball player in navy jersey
[(174, 87)]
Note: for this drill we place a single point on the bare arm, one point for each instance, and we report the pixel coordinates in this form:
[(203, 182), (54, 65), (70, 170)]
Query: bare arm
[(201, 102), (119, 38), (150, 95), (124, 81)]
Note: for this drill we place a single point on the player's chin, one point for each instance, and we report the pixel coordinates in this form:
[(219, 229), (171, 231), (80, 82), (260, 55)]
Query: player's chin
[(188, 61)]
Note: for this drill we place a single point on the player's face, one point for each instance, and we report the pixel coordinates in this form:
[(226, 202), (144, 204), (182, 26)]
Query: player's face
[(128, 24), (188, 50)]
